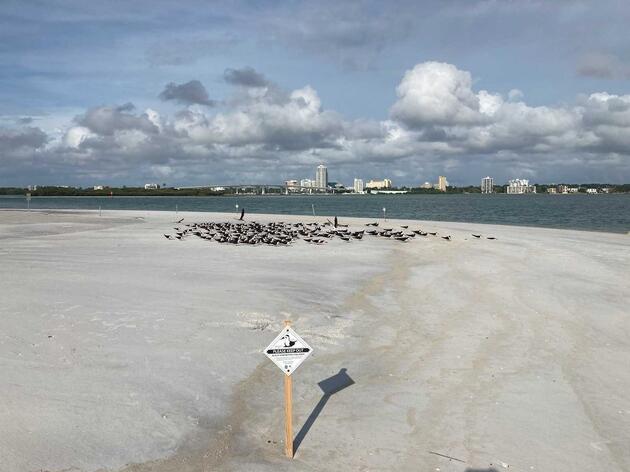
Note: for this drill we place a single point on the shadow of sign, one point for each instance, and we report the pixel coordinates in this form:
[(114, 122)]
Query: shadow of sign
[(329, 386)]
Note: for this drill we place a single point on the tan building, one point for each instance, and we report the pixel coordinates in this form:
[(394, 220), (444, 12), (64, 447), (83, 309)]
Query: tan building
[(378, 184), (442, 184), (292, 185)]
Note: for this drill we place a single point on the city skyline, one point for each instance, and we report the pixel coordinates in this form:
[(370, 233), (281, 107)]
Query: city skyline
[(252, 92)]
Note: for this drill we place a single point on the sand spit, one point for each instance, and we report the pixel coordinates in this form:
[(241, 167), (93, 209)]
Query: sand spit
[(121, 350)]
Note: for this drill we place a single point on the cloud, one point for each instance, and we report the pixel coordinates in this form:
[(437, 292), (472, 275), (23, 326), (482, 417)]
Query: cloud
[(439, 122), (295, 124), (178, 52), (440, 97), (438, 93), (351, 34), (245, 77), (27, 138), (106, 120), (602, 66), (189, 93)]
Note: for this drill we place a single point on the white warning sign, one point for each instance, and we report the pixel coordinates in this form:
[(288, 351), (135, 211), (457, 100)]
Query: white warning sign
[(288, 350)]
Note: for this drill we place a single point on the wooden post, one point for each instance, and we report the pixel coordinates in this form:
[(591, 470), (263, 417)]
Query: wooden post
[(288, 417), (288, 411)]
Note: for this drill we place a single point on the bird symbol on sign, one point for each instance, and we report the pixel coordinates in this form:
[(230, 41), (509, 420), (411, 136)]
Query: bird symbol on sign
[(287, 340)]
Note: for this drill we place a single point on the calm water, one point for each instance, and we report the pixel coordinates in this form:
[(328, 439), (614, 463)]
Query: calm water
[(598, 212)]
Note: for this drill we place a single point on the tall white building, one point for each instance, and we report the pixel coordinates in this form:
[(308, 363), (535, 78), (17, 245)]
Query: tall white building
[(487, 185), (520, 186), (442, 184), (321, 177), (358, 186)]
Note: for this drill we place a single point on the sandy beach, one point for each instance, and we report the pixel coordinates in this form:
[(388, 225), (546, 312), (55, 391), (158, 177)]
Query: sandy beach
[(121, 350)]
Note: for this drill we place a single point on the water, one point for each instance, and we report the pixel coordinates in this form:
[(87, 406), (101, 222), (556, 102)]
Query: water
[(595, 213)]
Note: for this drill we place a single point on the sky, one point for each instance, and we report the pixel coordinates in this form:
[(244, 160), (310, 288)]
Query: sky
[(243, 92)]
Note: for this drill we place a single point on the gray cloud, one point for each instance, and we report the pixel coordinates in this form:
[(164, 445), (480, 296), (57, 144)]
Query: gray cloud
[(350, 33), (26, 120), (126, 107), (602, 66), (22, 138), (245, 77), (106, 121), (189, 93)]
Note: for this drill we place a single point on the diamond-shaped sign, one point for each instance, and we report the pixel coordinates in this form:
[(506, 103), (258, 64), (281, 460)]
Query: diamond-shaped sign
[(288, 350)]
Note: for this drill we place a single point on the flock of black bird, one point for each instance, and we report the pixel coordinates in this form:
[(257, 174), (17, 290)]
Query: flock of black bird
[(283, 234)]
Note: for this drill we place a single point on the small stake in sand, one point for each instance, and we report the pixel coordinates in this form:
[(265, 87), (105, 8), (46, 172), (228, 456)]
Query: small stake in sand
[(28, 201), (288, 351)]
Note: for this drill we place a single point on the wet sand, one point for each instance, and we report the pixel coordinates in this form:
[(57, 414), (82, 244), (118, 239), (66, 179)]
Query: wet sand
[(121, 350)]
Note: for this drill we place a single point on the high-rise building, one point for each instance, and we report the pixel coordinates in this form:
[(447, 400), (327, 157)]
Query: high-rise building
[(358, 186), (379, 184), (520, 186), (487, 185), (442, 184), (292, 185), (321, 177)]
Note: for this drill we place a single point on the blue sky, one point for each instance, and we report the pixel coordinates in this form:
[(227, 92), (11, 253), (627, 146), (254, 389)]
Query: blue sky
[(405, 90)]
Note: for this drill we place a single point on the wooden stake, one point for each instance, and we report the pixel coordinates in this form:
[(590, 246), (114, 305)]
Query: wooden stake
[(288, 411), (288, 417)]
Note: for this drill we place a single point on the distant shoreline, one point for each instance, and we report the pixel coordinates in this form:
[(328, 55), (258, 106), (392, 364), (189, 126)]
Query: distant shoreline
[(459, 225)]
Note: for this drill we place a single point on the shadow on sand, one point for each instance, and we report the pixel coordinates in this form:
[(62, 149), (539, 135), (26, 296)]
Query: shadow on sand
[(329, 386)]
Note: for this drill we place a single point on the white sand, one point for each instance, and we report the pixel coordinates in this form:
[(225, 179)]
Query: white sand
[(120, 349)]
